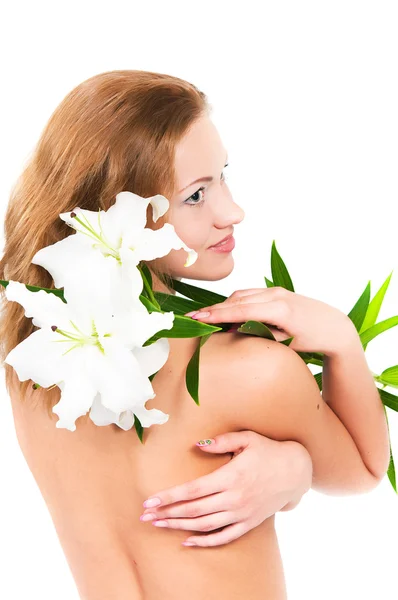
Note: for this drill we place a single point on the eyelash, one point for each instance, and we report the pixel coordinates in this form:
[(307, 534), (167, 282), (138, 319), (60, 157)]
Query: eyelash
[(201, 189)]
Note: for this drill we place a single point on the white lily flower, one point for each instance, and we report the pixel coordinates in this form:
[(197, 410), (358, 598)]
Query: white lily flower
[(91, 351), (122, 239)]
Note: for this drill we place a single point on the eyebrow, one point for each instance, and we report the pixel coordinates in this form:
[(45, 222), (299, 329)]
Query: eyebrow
[(208, 179)]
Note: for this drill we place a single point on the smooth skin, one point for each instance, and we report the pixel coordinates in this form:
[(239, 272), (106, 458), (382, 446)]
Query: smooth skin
[(202, 218)]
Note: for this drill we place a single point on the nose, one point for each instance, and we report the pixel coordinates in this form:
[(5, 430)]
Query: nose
[(230, 213)]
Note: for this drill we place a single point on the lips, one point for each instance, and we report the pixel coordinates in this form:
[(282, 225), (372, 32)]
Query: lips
[(223, 240)]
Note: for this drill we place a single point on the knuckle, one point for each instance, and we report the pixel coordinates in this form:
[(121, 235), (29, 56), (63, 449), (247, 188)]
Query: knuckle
[(280, 291), (192, 489), (208, 526), (235, 294), (239, 498), (192, 511)]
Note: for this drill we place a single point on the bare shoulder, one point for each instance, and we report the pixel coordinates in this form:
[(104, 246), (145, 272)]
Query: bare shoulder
[(263, 382), (245, 359)]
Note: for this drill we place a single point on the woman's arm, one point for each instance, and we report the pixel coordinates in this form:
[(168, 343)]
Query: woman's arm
[(283, 402), (349, 390), (264, 476), (298, 472)]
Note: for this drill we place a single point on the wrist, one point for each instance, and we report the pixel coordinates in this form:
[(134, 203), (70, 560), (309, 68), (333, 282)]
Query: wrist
[(348, 340), (299, 472)]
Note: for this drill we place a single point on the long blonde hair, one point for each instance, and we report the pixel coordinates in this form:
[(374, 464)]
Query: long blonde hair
[(115, 131)]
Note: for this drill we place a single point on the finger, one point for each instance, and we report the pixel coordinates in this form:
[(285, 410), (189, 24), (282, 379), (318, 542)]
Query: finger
[(217, 481), (195, 508), (206, 523), (266, 294), (228, 534), (275, 312), (242, 296)]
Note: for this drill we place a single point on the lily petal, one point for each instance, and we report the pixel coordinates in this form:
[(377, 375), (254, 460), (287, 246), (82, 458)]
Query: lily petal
[(151, 416), (160, 206), (46, 309), (101, 415), (153, 357), (64, 258), (92, 221), (118, 376), (159, 242), (37, 359), (77, 395), (128, 216)]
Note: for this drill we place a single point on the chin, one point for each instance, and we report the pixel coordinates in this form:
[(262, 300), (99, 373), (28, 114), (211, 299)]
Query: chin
[(211, 274)]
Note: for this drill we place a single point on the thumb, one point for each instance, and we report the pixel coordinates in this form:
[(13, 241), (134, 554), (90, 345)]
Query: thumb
[(234, 441)]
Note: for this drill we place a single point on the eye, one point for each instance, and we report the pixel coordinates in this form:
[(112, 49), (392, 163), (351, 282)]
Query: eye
[(199, 201)]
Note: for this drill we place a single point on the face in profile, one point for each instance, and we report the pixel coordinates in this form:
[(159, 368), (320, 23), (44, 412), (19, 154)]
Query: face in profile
[(201, 211)]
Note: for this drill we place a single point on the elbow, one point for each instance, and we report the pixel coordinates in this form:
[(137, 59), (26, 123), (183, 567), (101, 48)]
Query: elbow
[(348, 485), (379, 469), (369, 480)]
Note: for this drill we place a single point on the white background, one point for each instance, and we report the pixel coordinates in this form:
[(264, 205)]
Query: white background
[(305, 97)]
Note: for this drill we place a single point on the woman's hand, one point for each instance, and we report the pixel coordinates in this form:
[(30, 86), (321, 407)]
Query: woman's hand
[(263, 477), (315, 325)]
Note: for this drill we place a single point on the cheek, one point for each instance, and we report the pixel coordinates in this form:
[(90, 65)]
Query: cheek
[(193, 231)]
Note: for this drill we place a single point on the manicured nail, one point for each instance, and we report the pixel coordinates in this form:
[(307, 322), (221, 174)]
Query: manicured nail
[(201, 315), (204, 442), (190, 314), (160, 523), (188, 544), (147, 517), (152, 502)]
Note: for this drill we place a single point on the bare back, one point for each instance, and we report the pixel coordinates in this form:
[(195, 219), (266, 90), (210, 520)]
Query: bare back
[(94, 481)]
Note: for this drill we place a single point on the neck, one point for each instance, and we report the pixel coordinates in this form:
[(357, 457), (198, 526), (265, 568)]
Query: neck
[(159, 286)]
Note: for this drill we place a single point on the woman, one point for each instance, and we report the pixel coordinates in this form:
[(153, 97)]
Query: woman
[(150, 133)]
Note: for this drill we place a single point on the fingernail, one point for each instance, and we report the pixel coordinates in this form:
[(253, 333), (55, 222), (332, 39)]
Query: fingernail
[(152, 502), (190, 314), (205, 442), (147, 517), (201, 315), (160, 523), (188, 544)]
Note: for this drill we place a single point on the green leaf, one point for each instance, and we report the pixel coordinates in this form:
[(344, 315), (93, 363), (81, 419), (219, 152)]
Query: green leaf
[(375, 305), (391, 472), (184, 327), (388, 399), (280, 274), (389, 376), (358, 312), (145, 270), (369, 334), (318, 379), (269, 282), (149, 305), (391, 466), (261, 330), (204, 297), (138, 427), (192, 372), (309, 357), (287, 342), (180, 306), (256, 328), (147, 283)]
